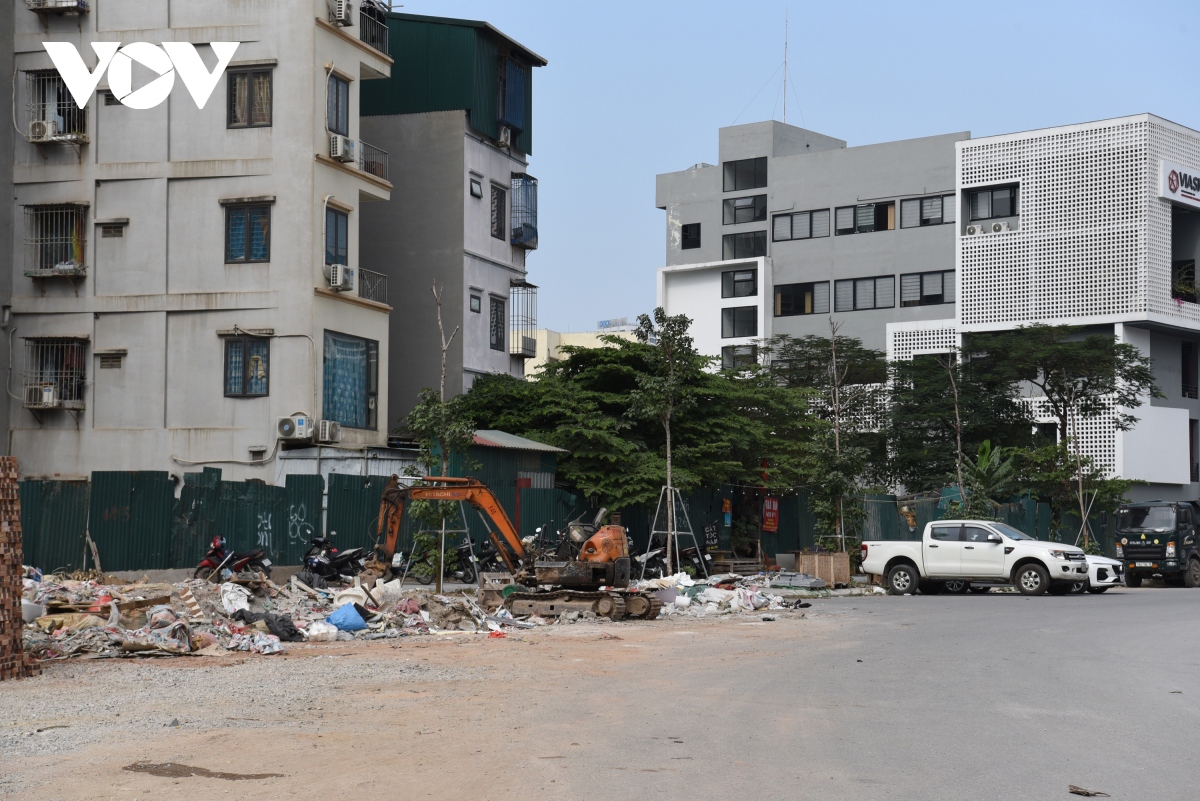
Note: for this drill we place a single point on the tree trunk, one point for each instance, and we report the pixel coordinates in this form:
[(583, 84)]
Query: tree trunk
[(1079, 480), (958, 459), (670, 498)]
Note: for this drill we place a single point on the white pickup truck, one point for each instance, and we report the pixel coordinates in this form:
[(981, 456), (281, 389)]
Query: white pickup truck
[(953, 553)]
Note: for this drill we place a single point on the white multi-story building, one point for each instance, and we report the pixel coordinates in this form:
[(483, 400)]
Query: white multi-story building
[(1095, 225), (183, 278)]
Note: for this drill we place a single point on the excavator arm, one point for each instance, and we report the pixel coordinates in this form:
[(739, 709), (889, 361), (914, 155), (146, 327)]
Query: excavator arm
[(396, 496)]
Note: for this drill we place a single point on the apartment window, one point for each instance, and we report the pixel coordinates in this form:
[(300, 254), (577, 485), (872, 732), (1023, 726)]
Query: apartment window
[(55, 239), (498, 222), (1183, 280), (691, 236), (511, 97), (919, 211), (247, 234), (745, 174), (496, 327), (1187, 352), (752, 208), (865, 218), (337, 112), (351, 380), (858, 294), (249, 99), (247, 367), (53, 113), (739, 322), (739, 357), (476, 188), (337, 231), (739, 284), (795, 299), (800, 225), (989, 204), (744, 246), (927, 289), (476, 304), (55, 373)]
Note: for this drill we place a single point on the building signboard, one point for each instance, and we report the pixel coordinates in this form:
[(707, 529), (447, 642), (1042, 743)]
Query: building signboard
[(1179, 184), (770, 518)]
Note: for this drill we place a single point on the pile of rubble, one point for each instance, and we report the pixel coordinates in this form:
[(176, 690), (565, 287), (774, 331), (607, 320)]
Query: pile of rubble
[(89, 617), (728, 593)]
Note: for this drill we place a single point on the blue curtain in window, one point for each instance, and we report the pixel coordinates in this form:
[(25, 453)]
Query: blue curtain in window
[(346, 380)]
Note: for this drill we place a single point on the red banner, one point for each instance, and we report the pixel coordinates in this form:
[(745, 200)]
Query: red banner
[(770, 517)]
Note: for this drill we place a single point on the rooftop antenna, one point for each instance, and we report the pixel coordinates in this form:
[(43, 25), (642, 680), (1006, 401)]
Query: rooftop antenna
[(785, 44)]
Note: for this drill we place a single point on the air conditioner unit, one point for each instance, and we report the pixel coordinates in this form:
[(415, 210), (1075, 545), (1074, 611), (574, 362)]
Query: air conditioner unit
[(42, 396), (505, 137), (329, 431), (341, 148), (42, 130), (296, 428), (1000, 228), (341, 12), (974, 230), (341, 278)]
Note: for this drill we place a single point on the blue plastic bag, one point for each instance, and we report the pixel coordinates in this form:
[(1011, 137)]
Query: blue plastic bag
[(347, 618)]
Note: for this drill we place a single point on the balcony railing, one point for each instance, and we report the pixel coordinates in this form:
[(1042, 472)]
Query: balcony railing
[(522, 321), (1191, 391), (372, 160), (56, 240), (57, 6), (372, 25), (55, 373), (51, 113), (372, 286)]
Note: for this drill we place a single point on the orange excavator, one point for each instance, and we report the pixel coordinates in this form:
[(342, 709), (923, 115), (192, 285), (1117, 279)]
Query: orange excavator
[(587, 571)]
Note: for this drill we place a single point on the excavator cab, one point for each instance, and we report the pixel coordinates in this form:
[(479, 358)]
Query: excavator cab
[(591, 556)]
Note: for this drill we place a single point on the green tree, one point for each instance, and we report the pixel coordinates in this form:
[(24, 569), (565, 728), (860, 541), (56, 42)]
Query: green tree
[(1053, 474), (1079, 376), (987, 478)]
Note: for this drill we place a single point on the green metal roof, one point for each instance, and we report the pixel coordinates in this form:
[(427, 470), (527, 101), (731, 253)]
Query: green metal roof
[(533, 58)]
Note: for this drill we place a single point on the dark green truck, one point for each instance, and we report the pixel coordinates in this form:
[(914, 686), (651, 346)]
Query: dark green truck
[(1158, 539)]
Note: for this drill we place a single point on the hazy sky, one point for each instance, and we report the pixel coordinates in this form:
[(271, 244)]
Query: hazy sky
[(634, 89)]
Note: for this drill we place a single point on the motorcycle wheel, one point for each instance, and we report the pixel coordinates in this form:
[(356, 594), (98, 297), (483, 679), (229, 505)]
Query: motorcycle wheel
[(423, 573), (468, 573), (201, 572)]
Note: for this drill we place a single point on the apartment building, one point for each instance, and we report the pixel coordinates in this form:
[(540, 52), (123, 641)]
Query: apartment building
[(1095, 225), (793, 227), (457, 117), (6, 220), (187, 285)]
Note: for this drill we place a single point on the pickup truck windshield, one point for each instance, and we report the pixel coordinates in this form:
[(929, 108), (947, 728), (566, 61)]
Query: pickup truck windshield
[(1141, 517), (1010, 532)]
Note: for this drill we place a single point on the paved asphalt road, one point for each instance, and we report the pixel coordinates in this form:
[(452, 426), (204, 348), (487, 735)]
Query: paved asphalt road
[(944, 697)]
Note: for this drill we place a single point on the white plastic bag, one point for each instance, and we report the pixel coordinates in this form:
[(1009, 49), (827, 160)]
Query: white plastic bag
[(234, 597), (320, 631)]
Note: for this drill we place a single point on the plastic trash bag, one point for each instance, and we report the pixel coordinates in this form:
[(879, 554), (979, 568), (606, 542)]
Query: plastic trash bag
[(234, 597), (320, 631), (347, 618)]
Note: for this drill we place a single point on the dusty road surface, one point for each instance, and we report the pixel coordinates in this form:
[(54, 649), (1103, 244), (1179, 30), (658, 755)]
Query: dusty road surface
[(946, 697)]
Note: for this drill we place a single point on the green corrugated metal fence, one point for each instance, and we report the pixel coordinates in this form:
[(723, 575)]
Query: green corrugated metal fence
[(54, 518), (129, 518), (354, 510)]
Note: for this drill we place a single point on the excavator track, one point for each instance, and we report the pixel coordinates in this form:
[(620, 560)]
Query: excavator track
[(612, 605)]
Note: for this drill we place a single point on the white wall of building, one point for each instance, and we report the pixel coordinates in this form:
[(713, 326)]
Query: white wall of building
[(695, 290)]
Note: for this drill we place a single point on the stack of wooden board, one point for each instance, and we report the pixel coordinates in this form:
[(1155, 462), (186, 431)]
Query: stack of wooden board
[(13, 664)]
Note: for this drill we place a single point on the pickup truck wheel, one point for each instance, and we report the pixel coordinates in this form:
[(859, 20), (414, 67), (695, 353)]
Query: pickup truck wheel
[(1032, 579), (903, 580), (1191, 576), (1133, 582), (956, 587)]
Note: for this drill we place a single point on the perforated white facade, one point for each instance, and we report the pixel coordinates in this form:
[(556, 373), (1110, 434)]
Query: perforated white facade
[(905, 340)]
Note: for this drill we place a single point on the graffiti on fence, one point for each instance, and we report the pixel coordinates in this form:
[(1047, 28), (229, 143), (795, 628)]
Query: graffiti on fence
[(299, 529), (264, 530)]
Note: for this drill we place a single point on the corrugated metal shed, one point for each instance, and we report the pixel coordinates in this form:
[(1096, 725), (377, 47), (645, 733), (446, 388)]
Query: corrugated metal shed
[(502, 439), (441, 64)]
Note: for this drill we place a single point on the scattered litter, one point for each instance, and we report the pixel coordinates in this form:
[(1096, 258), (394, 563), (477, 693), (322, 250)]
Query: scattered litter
[(769, 618), (497, 635), (1090, 793), (171, 770), (606, 636)]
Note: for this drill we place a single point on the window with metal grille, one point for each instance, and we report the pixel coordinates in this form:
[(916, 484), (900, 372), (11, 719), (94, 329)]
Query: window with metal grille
[(498, 222), (858, 294), (992, 203), (55, 372), (920, 211), (1187, 371), (496, 329), (745, 174), (52, 114), (351, 380), (337, 233), (247, 367), (522, 304), (55, 240), (739, 283), (247, 234), (741, 321), (524, 231), (797, 299), (865, 218), (691, 236), (337, 112), (927, 289), (752, 208), (249, 103), (744, 246), (800, 225)]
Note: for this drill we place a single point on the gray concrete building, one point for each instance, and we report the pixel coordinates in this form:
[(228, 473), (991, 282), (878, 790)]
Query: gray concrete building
[(803, 227), (457, 118), (186, 278), (6, 220)]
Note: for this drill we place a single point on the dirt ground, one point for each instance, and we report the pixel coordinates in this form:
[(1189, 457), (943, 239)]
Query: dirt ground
[(421, 716)]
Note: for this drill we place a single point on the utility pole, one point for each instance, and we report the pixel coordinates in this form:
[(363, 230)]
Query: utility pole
[(785, 44)]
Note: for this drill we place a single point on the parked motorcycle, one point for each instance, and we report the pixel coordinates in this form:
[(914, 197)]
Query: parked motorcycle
[(326, 561), (423, 567), (219, 559)]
